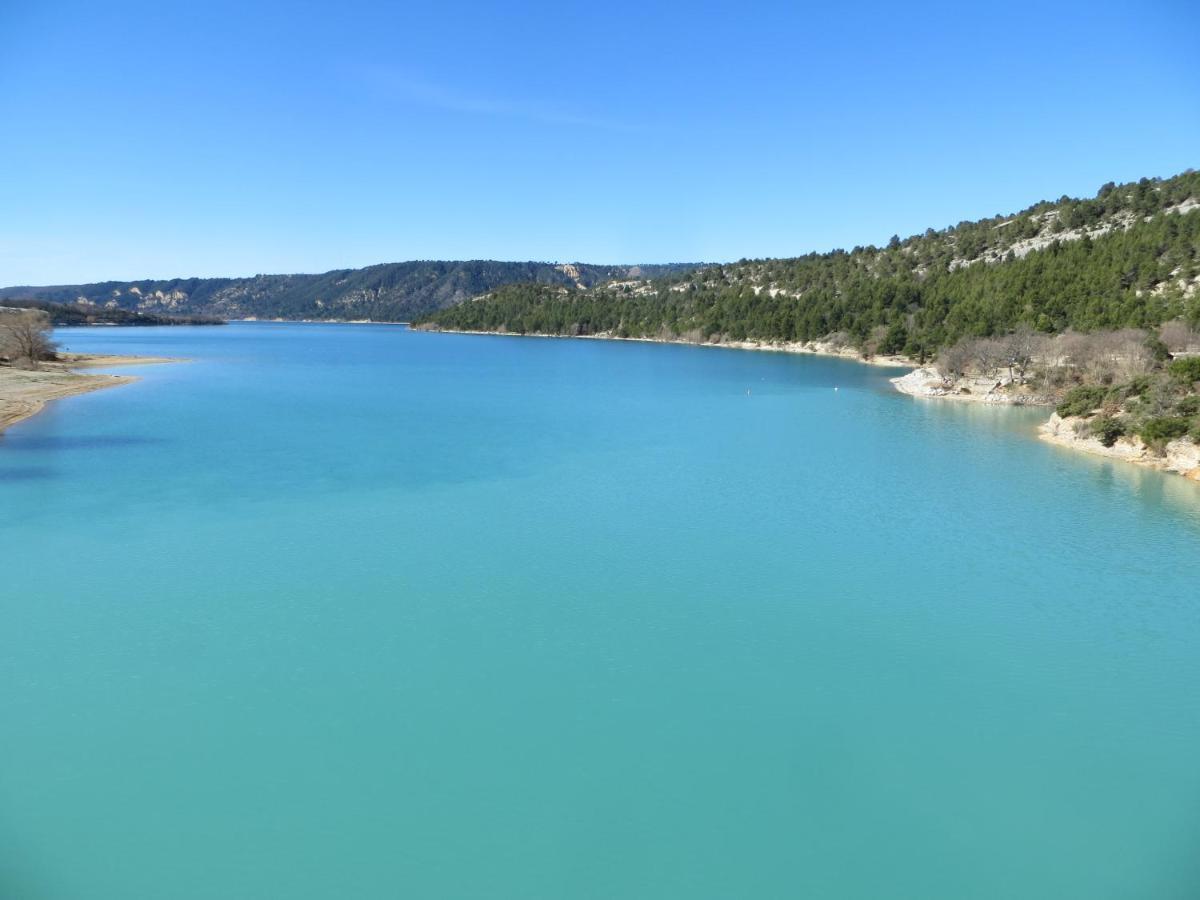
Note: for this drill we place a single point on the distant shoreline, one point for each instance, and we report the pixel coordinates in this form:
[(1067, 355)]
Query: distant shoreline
[(257, 321), (924, 383), (806, 348), (25, 392)]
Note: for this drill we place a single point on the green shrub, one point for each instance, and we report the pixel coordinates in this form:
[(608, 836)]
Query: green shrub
[(1082, 400), (1107, 429), (1194, 434), (1186, 368), (1157, 348), (1156, 432), (1138, 387), (1189, 405)]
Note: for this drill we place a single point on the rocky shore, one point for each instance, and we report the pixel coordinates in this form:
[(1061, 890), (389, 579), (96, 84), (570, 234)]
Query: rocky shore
[(1181, 456), (929, 382)]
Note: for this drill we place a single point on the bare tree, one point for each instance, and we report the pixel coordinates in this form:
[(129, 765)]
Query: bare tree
[(837, 340), (954, 360), (989, 356), (1071, 350), (1102, 357), (1020, 349), (1126, 354), (25, 337), (1179, 337)]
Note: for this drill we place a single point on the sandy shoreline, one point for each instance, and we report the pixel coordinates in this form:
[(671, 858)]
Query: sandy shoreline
[(25, 393)]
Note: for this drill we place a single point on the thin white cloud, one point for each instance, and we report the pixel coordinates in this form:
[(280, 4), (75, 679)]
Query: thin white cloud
[(406, 88)]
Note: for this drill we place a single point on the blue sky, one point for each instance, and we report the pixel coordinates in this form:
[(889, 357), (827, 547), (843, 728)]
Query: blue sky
[(160, 139)]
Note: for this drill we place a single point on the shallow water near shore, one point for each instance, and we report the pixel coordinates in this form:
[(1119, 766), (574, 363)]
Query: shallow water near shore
[(362, 612)]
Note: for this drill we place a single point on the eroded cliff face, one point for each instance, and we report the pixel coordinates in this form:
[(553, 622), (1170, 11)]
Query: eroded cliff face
[(1181, 456)]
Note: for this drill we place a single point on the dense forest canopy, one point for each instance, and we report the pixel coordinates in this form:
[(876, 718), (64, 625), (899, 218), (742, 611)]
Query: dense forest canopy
[(389, 292), (1129, 257)]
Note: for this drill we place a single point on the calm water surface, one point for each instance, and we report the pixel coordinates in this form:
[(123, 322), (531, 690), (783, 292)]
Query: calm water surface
[(337, 611)]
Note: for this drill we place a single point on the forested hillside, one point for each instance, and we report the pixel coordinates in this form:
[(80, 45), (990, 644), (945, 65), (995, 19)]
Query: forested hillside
[(1129, 257), (388, 292), (75, 314)]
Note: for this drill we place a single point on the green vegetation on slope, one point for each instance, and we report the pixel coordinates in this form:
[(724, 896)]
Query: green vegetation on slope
[(1158, 407), (74, 314), (1130, 257)]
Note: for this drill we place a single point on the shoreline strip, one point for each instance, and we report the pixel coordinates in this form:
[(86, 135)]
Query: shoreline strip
[(25, 392), (923, 383)]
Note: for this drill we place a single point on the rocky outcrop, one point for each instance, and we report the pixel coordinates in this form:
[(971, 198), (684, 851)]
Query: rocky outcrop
[(1181, 456), (929, 382)]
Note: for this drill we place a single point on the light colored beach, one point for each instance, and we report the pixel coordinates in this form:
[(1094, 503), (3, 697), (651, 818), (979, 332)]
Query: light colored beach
[(25, 392)]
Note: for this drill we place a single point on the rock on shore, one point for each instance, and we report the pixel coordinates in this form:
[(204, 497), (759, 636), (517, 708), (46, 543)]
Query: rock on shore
[(1181, 456), (929, 382)]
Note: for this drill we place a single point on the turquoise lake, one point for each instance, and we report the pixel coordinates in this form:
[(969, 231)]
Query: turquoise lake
[(353, 611)]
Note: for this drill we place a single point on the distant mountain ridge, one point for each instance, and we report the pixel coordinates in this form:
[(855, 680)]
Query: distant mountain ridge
[(385, 292)]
